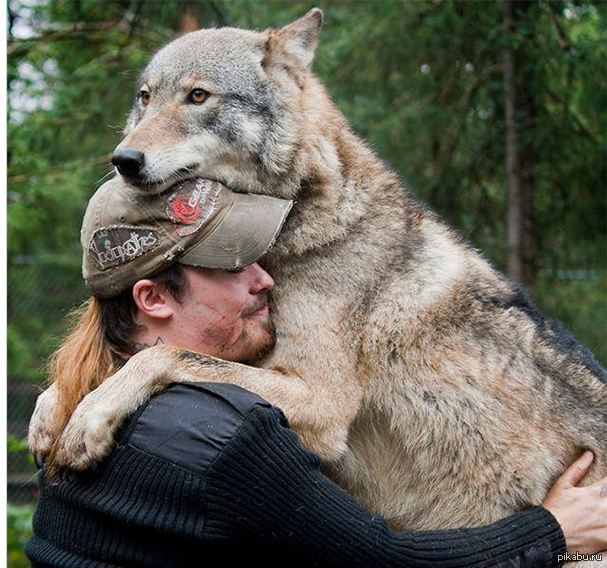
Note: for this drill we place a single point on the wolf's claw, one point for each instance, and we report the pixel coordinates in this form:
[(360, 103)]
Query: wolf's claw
[(43, 427), (88, 436)]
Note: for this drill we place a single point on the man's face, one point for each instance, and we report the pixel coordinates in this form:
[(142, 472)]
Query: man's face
[(225, 314)]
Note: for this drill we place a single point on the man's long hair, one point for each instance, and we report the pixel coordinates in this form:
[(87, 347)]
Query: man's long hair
[(99, 340)]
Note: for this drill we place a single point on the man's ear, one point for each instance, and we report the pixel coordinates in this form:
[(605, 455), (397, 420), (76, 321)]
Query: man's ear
[(295, 42), (153, 299)]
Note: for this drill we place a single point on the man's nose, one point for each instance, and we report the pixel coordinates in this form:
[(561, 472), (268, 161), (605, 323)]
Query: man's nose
[(261, 281), (128, 161)]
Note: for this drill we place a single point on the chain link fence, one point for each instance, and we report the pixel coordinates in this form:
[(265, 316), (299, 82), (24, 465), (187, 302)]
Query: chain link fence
[(41, 290), (21, 477)]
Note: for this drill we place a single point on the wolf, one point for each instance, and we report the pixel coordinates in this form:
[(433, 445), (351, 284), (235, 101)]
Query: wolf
[(433, 390)]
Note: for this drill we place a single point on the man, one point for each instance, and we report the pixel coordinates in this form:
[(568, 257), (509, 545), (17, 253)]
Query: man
[(210, 472)]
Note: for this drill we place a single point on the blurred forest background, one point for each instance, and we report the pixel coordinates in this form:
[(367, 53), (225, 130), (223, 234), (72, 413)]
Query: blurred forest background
[(493, 112)]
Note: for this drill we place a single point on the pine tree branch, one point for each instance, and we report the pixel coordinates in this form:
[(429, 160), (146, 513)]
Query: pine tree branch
[(58, 170), (561, 37)]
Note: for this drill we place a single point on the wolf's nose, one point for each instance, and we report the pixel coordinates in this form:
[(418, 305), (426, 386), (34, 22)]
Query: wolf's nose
[(128, 161)]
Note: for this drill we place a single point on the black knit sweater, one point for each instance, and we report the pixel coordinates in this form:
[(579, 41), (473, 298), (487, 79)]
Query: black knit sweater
[(212, 475)]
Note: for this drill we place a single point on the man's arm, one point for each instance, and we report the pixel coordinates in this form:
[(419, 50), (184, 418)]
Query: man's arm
[(266, 488)]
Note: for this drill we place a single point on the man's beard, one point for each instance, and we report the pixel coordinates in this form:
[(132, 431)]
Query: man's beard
[(262, 345), (259, 342)]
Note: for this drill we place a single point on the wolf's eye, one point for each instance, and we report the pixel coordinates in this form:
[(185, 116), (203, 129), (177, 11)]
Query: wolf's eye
[(144, 97), (198, 96)]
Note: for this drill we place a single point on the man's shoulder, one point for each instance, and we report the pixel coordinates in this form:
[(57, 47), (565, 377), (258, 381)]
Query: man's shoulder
[(189, 424)]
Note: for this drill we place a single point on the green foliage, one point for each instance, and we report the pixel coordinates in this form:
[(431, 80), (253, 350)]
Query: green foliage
[(19, 523), (421, 81), (15, 445), (578, 296)]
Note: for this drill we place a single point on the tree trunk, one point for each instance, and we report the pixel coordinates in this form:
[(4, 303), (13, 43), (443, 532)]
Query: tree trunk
[(518, 110), (189, 20)]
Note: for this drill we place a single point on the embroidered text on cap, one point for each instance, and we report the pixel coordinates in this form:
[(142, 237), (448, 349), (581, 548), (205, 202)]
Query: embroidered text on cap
[(116, 245)]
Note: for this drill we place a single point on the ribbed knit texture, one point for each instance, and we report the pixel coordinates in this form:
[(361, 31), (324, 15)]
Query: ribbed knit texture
[(263, 501), (266, 487), (135, 510)]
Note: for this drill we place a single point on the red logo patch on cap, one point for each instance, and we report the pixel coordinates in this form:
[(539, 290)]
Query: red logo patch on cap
[(192, 204), (185, 210)]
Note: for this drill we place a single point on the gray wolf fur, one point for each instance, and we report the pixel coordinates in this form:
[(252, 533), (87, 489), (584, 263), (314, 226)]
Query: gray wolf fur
[(436, 394)]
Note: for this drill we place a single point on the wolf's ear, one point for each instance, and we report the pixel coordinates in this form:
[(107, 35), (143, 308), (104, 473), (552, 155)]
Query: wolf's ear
[(297, 41)]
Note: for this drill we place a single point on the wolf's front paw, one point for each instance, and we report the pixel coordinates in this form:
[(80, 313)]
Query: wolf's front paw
[(89, 435), (44, 428)]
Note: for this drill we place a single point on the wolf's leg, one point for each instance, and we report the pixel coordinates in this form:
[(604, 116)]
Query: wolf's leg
[(316, 412), (43, 424)]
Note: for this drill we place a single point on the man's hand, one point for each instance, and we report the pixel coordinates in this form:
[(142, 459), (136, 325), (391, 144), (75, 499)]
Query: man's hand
[(581, 511)]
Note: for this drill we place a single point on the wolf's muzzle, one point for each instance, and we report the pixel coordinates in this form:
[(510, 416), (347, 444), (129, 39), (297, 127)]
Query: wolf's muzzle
[(128, 161)]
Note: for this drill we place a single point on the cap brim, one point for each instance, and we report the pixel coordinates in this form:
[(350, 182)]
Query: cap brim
[(243, 236)]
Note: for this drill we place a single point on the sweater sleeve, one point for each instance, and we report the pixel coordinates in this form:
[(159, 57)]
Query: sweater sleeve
[(265, 487)]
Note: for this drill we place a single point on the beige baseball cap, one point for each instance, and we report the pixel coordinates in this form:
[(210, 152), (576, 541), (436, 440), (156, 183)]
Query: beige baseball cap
[(129, 234)]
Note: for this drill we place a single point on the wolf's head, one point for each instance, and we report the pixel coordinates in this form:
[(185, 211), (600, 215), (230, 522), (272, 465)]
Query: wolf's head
[(226, 104)]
